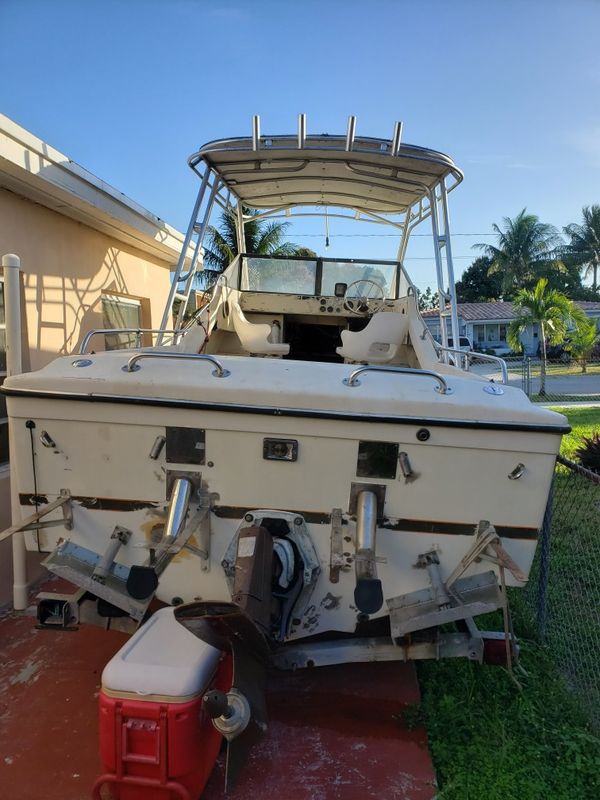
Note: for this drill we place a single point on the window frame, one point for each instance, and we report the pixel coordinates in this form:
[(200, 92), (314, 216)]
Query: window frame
[(126, 340)]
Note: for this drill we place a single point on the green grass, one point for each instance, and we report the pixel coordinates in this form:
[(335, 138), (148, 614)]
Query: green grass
[(571, 369), (584, 421), (490, 740), (557, 399), (554, 368)]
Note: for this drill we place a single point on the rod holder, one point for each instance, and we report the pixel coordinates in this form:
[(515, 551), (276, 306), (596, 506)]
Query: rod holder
[(256, 132), (350, 133), (397, 138), (301, 131)]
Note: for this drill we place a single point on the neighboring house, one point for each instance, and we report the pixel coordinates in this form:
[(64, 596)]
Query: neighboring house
[(90, 258), (486, 325)]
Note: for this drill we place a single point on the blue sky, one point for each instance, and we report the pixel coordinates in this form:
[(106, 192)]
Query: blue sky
[(129, 88)]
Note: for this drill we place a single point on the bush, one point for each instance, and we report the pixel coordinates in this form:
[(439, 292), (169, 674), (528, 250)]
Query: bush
[(589, 452)]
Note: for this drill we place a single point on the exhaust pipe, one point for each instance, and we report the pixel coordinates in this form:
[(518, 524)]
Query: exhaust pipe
[(143, 580), (178, 507), (368, 594)]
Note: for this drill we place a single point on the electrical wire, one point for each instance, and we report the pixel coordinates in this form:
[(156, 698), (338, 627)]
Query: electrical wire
[(382, 235), (31, 427)]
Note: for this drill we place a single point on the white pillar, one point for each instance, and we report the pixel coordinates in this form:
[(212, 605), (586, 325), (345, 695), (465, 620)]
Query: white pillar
[(14, 363)]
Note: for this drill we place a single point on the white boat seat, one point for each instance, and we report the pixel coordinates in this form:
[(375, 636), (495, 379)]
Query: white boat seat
[(254, 336), (378, 341)]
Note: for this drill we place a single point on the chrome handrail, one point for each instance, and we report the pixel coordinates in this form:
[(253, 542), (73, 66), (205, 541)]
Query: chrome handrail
[(218, 372), (468, 354), (108, 331), (442, 386)]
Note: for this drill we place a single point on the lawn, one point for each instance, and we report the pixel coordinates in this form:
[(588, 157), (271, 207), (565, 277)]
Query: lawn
[(584, 421), (487, 738), (554, 368), (569, 369), (490, 740)]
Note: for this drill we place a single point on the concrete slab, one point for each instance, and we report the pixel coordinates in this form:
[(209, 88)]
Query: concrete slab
[(338, 733), (335, 733), (49, 684)]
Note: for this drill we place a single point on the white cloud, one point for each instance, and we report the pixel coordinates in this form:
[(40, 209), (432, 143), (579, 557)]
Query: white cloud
[(520, 165), (501, 160)]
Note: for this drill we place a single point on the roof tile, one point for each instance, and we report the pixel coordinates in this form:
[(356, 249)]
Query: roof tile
[(472, 312)]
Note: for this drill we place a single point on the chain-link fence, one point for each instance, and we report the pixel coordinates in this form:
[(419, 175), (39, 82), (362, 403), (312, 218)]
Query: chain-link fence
[(564, 587), (562, 381)]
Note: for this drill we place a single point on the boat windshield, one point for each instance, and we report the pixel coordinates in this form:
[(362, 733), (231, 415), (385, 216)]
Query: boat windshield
[(317, 276)]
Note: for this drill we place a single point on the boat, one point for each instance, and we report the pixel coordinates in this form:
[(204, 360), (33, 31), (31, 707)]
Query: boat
[(301, 452)]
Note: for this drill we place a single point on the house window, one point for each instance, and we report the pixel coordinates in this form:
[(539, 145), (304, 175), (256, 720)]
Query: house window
[(479, 333), (491, 333), (502, 337), (120, 312), (3, 417)]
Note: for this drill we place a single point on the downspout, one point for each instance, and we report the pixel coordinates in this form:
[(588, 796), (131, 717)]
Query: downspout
[(11, 265)]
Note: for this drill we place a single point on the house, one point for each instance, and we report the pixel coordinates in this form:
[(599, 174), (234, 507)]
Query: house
[(90, 257), (486, 325)]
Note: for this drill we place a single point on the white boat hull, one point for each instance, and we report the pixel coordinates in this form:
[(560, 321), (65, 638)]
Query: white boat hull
[(460, 476)]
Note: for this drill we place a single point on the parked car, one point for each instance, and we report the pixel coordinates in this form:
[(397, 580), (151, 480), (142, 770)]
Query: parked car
[(464, 343), (502, 351), (556, 352)]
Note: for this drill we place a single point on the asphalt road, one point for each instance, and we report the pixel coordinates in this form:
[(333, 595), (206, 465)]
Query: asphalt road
[(577, 384), (580, 384)]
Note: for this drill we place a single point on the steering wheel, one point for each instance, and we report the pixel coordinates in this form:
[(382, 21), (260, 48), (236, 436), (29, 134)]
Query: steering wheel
[(359, 304)]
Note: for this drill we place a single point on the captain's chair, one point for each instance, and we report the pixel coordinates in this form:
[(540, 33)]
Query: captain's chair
[(378, 341), (254, 336)]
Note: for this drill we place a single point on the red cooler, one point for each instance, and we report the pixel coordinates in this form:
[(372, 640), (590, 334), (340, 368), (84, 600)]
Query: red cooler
[(156, 742)]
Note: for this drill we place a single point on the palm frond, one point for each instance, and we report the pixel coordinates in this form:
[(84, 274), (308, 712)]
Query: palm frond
[(261, 238), (525, 250), (583, 248)]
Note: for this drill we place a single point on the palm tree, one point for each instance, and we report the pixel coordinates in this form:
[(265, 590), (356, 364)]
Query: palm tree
[(526, 249), (262, 238), (584, 247), (582, 341), (551, 310)]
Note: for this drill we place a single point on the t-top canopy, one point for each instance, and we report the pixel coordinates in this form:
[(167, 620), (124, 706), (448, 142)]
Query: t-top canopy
[(376, 180), (375, 175)]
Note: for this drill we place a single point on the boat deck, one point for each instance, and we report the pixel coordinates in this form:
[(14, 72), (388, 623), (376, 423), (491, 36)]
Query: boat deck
[(335, 733)]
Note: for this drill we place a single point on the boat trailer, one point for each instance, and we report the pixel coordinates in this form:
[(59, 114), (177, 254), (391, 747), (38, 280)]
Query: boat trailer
[(213, 660)]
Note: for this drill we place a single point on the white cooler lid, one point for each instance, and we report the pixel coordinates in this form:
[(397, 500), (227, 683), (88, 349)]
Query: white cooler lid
[(162, 658)]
